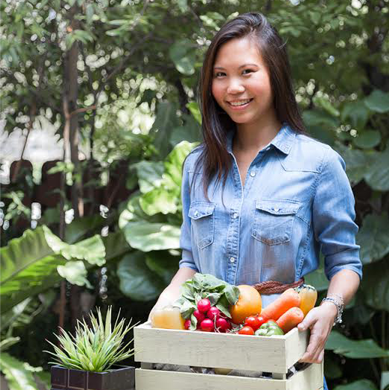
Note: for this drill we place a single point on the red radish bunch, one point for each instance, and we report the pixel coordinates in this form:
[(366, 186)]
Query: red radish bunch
[(209, 318)]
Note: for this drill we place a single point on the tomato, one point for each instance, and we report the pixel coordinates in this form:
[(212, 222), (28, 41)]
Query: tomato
[(247, 330), (262, 320), (249, 304), (252, 321)]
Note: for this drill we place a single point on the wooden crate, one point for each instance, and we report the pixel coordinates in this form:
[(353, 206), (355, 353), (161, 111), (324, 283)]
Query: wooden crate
[(276, 354)]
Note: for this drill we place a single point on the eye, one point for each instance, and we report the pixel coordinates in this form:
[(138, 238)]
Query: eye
[(248, 71), (219, 74)]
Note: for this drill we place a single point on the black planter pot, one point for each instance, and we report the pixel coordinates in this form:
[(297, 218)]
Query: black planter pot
[(118, 378)]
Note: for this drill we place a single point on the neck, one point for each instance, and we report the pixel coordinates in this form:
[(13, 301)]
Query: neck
[(256, 136)]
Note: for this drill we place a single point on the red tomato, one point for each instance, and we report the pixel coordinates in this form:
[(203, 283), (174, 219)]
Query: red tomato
[(262, 320), (247, 330), (252, 321)]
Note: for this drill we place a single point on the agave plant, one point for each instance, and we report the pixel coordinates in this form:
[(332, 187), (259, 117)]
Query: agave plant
[(94, 348)]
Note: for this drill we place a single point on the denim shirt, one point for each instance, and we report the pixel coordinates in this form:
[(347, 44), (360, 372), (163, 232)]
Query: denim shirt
[(296, 201)]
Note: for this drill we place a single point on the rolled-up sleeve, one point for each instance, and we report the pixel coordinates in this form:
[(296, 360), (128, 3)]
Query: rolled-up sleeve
[(333, 217), (185, 238)]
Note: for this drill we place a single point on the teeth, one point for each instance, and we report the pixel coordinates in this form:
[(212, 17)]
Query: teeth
[(241, 103)]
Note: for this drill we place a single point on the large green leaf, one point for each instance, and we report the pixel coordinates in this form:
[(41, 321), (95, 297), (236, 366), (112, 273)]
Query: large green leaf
[(318, 118), (355, 349), (149, 174), (137, 281), (373, 238), (378, 101), (183, 55), (368, 139), (166, 197), (165, 121), (80, 227), (29, 263), (375, 284), (377, 175), (17, 376), (189, 132), (357, 112), (147, 236), (356, 163), (363, 384), (163, 264), (8, 342), (115, 245)]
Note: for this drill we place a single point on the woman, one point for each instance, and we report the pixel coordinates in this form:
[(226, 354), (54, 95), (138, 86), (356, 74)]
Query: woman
[(261, 198)]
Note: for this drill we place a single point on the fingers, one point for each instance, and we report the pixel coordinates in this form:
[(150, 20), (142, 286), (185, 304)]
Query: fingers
[(320, 330)]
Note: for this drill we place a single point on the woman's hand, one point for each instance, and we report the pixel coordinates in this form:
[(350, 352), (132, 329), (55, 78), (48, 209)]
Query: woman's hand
[(320, 320)]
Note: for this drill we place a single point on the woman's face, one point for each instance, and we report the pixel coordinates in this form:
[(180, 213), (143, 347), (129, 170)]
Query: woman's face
[(241, 82)]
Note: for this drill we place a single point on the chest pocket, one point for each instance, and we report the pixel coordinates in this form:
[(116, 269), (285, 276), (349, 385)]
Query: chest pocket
[(203, 225), (273, 221)]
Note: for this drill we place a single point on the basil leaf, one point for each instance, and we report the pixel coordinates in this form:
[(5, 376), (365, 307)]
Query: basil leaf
[(214, 297), (187, 309), (232, 294)]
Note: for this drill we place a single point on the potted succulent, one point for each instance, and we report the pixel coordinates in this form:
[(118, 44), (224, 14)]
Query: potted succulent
[(89, 359)]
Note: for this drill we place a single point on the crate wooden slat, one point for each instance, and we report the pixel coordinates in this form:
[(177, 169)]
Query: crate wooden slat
[(271, 354), (274, 354), (309, 379)]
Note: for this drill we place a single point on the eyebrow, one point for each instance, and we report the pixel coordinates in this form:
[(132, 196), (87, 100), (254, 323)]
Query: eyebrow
[(242, 66)]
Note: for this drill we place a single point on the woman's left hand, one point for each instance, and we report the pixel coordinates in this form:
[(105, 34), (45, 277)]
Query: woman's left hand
[(320, 320)]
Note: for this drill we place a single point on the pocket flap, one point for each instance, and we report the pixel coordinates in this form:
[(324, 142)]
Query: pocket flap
[(201, 209), (278, 207)]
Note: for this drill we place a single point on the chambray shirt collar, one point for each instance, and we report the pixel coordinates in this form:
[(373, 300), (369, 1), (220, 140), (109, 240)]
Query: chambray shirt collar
[(283, 141)]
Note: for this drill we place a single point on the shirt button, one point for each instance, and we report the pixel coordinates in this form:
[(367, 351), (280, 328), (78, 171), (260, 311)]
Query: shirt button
[(252, 174), (196, 214), (236, 215), (232, 259)]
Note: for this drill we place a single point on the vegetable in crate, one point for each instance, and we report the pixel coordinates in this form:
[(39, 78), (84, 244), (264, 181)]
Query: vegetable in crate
[(168, 317), (269, 328), (288, 299), (290, 319), (201, 296), (308, 297), (248, 304)]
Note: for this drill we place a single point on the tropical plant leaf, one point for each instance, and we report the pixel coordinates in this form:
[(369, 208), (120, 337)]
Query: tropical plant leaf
[(377, 171), (115, 245), (149, 174), (17, 376), (378, 101), (163, 264), (183, 55), (29, 263), (357, 112), (355, 349), (373, 238), (356, 163), (80, 227), (147, 236), (368, 139), (375, 284), (137, 281)]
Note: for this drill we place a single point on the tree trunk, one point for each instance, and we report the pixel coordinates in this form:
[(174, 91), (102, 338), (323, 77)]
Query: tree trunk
[(71, 118)]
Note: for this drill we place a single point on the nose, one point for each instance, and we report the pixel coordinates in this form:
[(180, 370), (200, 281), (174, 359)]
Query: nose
[(235, 86)]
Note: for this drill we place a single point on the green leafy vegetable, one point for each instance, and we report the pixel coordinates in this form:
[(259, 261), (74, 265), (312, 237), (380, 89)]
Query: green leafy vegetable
[(221, 295)]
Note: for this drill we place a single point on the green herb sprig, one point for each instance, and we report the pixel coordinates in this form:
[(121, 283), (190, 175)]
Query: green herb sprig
[(93, 349)]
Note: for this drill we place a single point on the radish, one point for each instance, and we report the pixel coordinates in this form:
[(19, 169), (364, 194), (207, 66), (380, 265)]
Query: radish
[(200, 316), (187, 324), (222, 324), (203, 305), (213, 313), (206, 325)]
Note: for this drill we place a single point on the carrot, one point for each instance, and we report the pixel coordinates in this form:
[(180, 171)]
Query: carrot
[(290, 319), (288, 299)]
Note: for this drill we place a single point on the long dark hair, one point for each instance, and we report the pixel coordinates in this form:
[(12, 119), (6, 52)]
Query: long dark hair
[(214, 156)]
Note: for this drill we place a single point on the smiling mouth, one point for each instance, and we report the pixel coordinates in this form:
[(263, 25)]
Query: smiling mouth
[(240, 103)]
